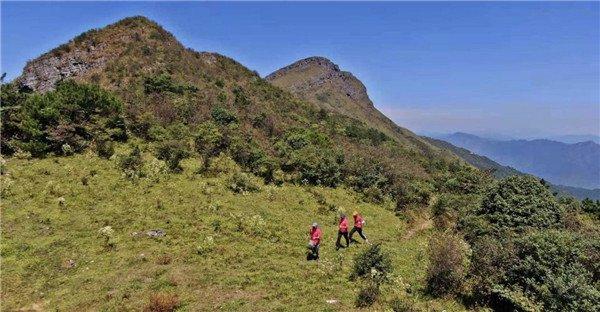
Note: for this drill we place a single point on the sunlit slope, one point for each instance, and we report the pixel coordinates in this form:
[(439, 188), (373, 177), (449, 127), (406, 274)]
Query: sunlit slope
[(221, 250)]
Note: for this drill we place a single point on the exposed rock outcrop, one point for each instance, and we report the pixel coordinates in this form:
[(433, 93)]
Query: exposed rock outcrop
[(43, 73)]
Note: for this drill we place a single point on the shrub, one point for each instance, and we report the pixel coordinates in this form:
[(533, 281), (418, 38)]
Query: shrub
[(222, 164), (162, 302), (246, 153), (399, 305), (367, 296), (132, 163), (264, 122), (555, 270), (240, 99), (223, 116), (70, 116), (372, 262), (519, 203), (104, 148), (240, 182), (308, 153), (107, 234), (373, 195), (464, 180), (414, 193), (591, 207), (172, 152), (209, 142), (164, 83), (448, 264), (361, 132), (208, 244)]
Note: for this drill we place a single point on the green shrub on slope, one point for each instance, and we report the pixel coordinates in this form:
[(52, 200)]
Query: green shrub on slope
[(60, 121), (519, 203)]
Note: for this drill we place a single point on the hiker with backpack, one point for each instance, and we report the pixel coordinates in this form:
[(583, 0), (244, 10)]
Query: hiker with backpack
[(359, 222), (314, 242), (342, 232)]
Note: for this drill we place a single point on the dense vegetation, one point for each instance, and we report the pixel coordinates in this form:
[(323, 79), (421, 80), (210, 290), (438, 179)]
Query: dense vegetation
[(526, 250), (205, 148)]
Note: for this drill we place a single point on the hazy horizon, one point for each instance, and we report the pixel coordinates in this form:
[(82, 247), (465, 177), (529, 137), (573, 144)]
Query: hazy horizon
[(513, 69)]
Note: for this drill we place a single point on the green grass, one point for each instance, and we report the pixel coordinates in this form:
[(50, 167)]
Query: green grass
[(247, 268)]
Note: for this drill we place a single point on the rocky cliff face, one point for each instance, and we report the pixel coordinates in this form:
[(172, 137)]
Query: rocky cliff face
[(43, 74)]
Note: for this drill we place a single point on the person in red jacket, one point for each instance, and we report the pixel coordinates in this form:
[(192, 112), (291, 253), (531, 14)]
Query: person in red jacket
[(358, 227), (314, 242), (342, 232)]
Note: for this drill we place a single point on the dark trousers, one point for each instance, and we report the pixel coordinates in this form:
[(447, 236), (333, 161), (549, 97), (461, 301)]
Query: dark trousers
[(360, 232), (340, 235), (313, 252)]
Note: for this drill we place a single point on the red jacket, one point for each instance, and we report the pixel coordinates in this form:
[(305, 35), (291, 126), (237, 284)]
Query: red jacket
[(315, 235), (358, 221), (343, 225)]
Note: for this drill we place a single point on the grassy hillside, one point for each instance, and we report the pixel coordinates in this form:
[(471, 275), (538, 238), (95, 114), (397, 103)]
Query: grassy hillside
[(141, 175), (53, 209)]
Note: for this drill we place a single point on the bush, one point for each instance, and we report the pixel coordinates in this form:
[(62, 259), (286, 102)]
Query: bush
[(489, 261), (414, 193), (222, 116), (164, 83), (209, 142), (70, 116), (132, 163), (519, 203), (162, 302), (222, 164), (361, 132), (240, 182), (591, 207), (104, 148), (399, 305), (372, 263), (246, 153), (555, 270), (308, 153), (367, 296), (373, 195), (448, 264), (172, 152)]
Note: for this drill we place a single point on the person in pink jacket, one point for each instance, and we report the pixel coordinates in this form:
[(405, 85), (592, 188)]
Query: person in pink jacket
[(342, 232), (359, 222), (314, 242)]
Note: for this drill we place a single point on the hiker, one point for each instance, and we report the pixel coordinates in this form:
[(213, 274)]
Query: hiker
[(358, 227), (342, 231), (314, 242)]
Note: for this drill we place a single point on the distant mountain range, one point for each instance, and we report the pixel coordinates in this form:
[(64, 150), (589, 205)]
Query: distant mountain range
[(499, 171), (573, 138), (576, 165)]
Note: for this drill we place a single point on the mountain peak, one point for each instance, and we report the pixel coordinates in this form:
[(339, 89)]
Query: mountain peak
[(318, 80), (319, 76), (92, 51), (313, 62)]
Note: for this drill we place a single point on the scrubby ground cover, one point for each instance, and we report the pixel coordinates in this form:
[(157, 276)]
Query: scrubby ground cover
[(221, 249)]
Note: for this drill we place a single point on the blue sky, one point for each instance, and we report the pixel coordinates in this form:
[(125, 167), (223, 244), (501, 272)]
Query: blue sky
[(516, 69)]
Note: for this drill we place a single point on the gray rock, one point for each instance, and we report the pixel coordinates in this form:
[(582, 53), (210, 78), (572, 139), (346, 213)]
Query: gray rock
[(156, 233)]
